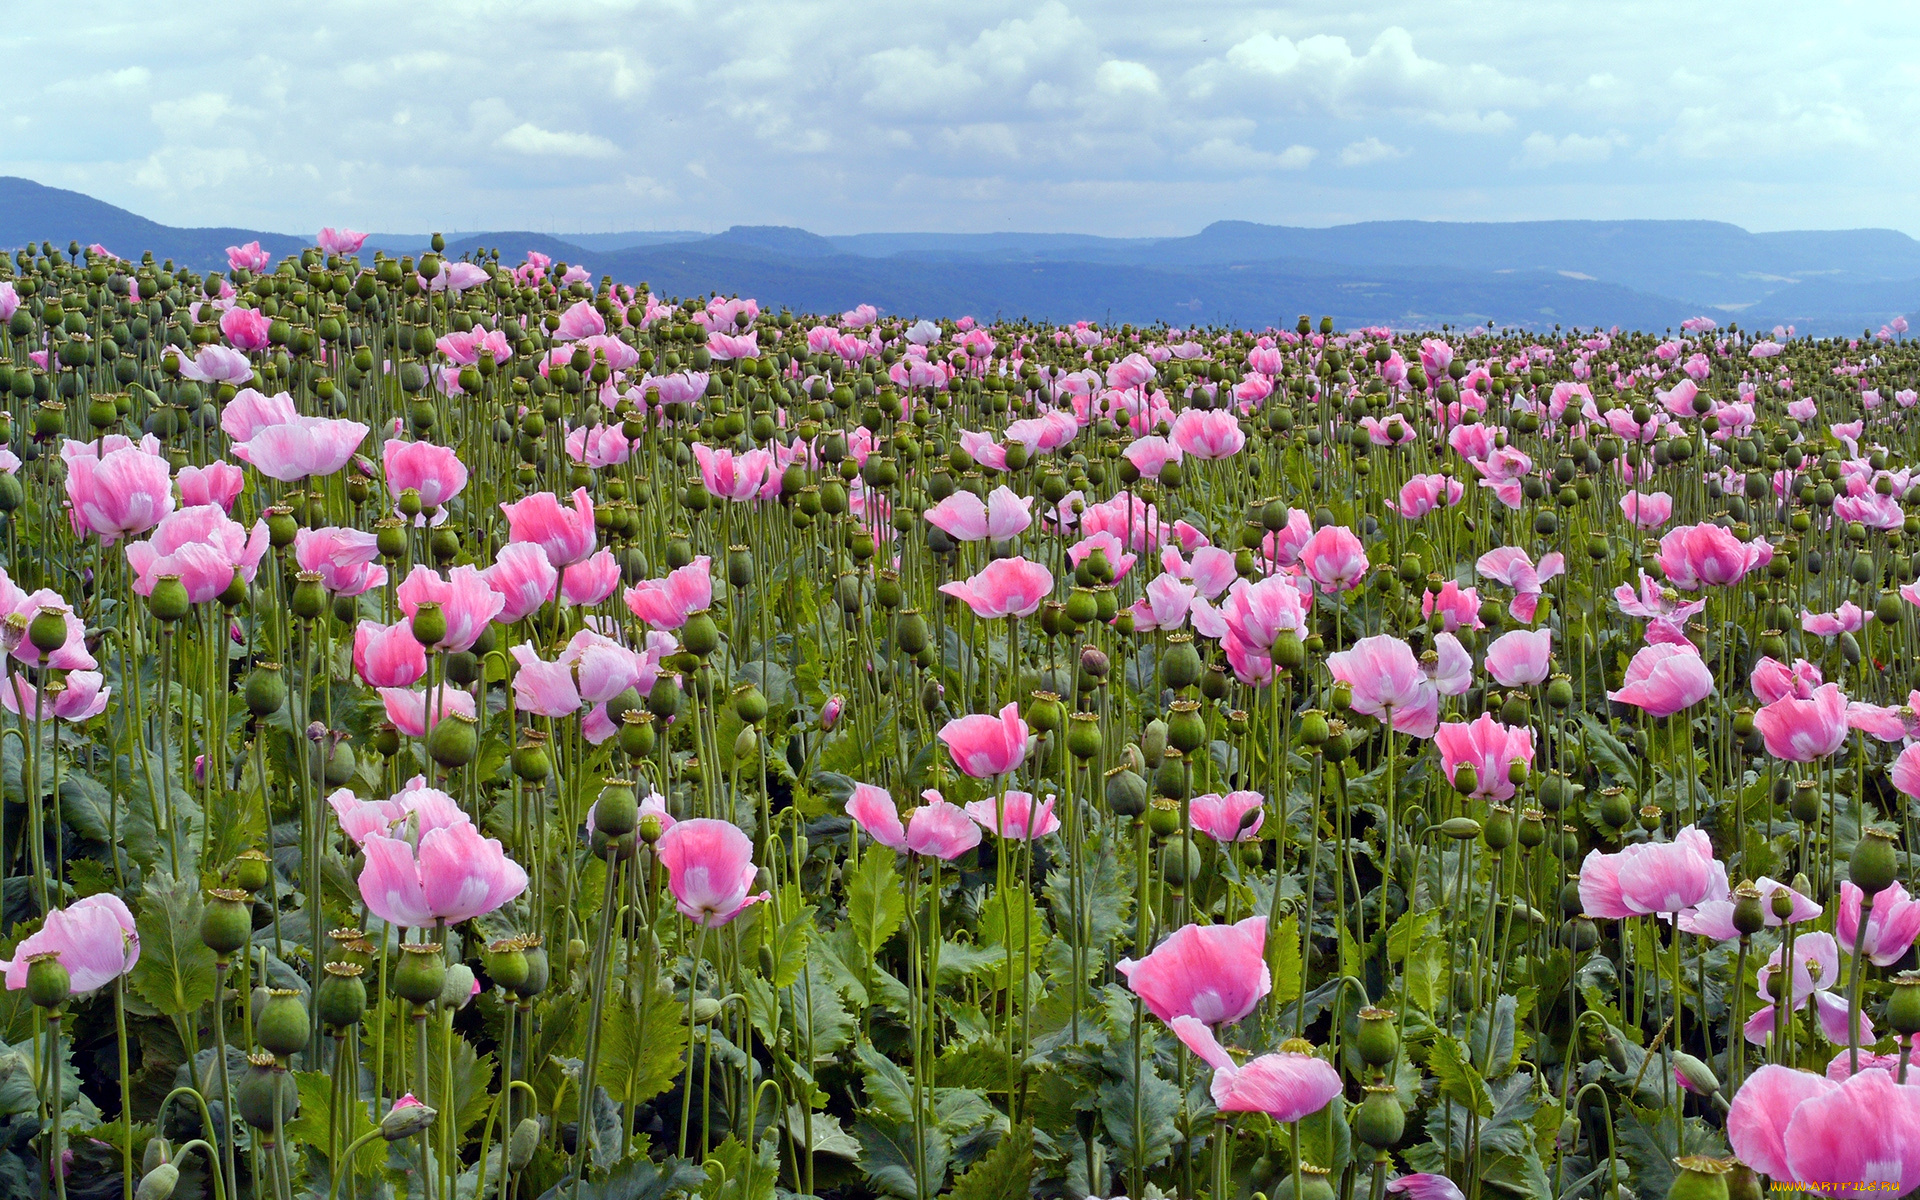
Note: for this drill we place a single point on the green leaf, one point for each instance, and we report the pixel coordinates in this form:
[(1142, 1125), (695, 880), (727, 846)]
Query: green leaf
[(1283, 960), (1458, 1080), (887, 1156), (738, 1177), (634, 1179), (640, 1047), (1159, 1103), (313, 1126), (1406, 932), (875, 901), (1426, 979), (889, 1091), (175, 971), (789, 945), (86, 806), (822, 1026), (1004, 1174)]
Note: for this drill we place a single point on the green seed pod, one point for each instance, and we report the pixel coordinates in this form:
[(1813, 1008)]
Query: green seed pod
[(1126, 792), (700, 636), (1378, 1038), (309, 599), (1083, 735), (539, 970), (420, 974), (749, 705), (1873, 866), (506, 963), (1180, 666), (168, 601), (910, 631), (1700, 1178), (226, 921), (1460, 828), (454, 741), (1313, 728), (1380, 1121), (637, 736), (48, 630), (1903, 1005), (1499, 829), (265, 1088), (48, 983), (341, 999), (1171, 779), (1180, 861), (429, 625), (1186, 728), (251, 870), (282, 1027), (617, 810), (266, 690)]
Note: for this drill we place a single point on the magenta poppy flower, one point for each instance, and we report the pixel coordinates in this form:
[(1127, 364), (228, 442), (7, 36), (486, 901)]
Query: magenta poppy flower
[(464, 596), (983, 745), (246, 328), (121, 492), (249, 257), (667, 603), (523, 578), (1521, 657), (410, 711), (387, 655), (1208, 435), (435, 472), (1015, 817), (218, 483), (591, 581), (95, 938), (1487, 746), (965, 517), (340, 241), (710, 870), (1334, 559), (1213, 973), (1005, 587), (1652, 877), (302, 447), (453, 875), (343, 558), (1234, 817), (566, 534), (1285, 1086), (1664, 679), (541, 688)]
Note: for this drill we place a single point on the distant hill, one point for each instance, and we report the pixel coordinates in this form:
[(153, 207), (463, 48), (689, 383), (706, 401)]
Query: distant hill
[(1408, 274), (31, 212)]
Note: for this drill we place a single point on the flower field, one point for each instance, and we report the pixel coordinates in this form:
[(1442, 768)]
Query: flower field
[(472, 730)]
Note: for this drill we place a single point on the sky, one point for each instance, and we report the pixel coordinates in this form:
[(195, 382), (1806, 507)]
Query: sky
[(1124, 118)]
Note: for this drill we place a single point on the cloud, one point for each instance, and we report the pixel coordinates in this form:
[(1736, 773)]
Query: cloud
[(1228, 155), (1542, 150), (528, 138), (1128, 117), (1372, 150)]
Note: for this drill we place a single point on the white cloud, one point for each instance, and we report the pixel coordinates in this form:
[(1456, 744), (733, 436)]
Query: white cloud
[(1226, 154), (1542, 150), (528, 138), (1371, 150), (1116, 75), (1130, 116)]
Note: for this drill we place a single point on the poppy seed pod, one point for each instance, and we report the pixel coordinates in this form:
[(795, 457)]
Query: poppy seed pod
[(265, 1089), (341, 999), (226, 921), (282, 1026), (420, 973)]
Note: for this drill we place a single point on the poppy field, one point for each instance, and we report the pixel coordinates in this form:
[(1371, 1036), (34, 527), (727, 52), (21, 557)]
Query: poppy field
[(475, 730)]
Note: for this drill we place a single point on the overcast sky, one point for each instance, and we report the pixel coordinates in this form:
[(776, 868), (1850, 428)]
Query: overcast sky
[(1121, 118)]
